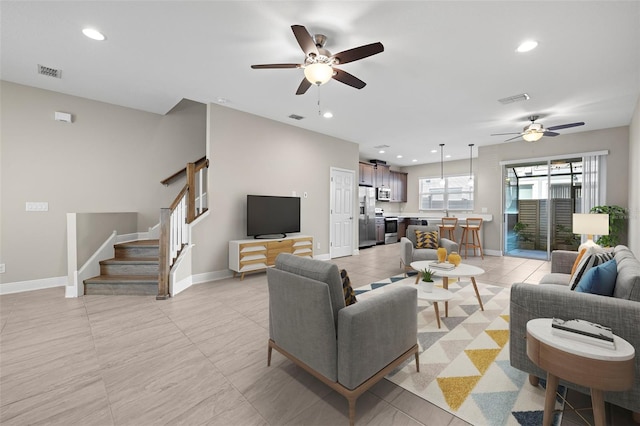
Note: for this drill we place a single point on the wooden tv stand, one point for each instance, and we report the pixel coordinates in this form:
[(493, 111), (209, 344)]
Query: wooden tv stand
[(253, 255)]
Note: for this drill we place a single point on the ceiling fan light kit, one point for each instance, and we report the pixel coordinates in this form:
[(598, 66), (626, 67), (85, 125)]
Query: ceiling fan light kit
[(318, 73)]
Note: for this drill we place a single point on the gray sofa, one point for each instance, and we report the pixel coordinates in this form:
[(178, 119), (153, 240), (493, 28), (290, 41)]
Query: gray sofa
[(348, 348), (409, 253), (621, 312)]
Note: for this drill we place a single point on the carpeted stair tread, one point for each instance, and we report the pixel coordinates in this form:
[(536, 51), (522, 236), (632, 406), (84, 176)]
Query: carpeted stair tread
[(140, 243), (123, 279), (129, 260)]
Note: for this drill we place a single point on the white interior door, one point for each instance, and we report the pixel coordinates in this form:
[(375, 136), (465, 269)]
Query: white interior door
[(342, 217)]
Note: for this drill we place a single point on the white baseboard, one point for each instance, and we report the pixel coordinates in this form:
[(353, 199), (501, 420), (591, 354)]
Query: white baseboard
[(325, 256), (41, 284), (211, 276), (492, 252)]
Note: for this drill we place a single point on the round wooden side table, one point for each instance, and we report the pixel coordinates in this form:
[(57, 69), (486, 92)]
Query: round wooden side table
[(598, 368)]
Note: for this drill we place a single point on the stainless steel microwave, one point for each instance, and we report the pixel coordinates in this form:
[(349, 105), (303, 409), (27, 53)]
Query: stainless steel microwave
[(384, 194)]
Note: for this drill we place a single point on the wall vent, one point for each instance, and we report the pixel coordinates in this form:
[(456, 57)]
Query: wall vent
[(514, 98), (382, 146), (49, 72), (296, 117)]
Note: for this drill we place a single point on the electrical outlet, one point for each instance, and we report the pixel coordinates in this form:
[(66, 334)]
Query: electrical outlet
[(2, 269), (318, 246), (484, 210)]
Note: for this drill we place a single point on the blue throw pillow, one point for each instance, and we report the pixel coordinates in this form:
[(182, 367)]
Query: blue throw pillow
[(600, 279)]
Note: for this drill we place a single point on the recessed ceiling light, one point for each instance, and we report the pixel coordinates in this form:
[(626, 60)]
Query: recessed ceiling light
[(447, 156), (414, 160), (221, 100), (328, 114), (433, 151), (527, 46), (93, 34), (382, 151), (398, 156)]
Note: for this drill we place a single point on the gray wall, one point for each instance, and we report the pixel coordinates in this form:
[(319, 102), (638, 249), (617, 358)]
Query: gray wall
[(634, 182), (110, 159), (253, 155), (93, 229)]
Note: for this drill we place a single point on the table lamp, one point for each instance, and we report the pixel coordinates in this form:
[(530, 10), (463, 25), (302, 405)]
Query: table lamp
[(590, 224)]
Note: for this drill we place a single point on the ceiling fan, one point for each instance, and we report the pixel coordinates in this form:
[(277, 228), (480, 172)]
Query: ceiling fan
[(534, 131), (319, 64)]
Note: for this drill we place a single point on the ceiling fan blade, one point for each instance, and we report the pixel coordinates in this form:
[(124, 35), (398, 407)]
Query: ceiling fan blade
[(358, 53), (514, 138), (305, 40), (269, 66), (548, 133), (566, 126), (348, 79), (502, 134), (304, 86)]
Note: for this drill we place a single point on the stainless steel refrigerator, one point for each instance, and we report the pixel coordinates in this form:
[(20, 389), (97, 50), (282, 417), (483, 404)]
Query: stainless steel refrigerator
[(367, 219)]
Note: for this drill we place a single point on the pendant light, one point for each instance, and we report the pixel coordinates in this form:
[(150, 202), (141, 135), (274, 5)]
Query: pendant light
[(441, 164), (470, 165)]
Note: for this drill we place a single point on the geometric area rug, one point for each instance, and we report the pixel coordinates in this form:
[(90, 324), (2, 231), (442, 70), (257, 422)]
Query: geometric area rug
[(464, 365)]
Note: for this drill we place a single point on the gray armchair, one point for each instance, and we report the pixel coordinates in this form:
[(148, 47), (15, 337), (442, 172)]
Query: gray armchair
[(348, 348), (409, 253)]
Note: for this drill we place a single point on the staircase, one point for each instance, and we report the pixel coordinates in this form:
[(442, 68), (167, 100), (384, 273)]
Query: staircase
[(133, 271)]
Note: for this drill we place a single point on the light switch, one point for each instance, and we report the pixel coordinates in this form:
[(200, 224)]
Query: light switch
[(37, 206)]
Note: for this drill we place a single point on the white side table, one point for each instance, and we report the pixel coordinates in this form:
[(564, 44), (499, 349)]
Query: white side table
[(598, 368), (435, 296)]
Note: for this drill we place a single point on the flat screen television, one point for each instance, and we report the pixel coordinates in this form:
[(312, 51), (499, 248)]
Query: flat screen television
[(270, 215)]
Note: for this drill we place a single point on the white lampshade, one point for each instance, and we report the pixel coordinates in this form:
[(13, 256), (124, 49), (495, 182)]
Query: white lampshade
[(532, 135), (318, 73), (590, 224)]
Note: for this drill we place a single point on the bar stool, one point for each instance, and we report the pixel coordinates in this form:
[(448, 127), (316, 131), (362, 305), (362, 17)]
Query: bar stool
[(471, 230), (449, 226)]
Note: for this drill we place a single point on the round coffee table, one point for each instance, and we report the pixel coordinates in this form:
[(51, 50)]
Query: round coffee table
[(463, 270), (598, 368)]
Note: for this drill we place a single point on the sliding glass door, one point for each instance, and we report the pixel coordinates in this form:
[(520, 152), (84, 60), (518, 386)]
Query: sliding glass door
[(539, 200)]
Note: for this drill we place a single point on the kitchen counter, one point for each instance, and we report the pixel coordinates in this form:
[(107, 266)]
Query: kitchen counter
[(433, 216)]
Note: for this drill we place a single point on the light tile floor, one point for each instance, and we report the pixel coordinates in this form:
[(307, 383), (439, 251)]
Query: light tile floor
[(198, 358)]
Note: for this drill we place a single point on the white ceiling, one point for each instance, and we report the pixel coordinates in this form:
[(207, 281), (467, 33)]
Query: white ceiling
[(444, 67)]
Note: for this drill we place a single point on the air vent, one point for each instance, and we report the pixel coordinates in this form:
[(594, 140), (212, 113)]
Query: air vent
[(49, 72), (514, 98), (382, 146), (296, 117)]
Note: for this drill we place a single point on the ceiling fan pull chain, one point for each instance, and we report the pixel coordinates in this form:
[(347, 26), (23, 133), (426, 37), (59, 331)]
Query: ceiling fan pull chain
[(319, 109)]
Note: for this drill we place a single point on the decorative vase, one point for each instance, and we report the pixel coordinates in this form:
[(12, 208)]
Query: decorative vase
[(426, 286), (455, 258), (442, 254)]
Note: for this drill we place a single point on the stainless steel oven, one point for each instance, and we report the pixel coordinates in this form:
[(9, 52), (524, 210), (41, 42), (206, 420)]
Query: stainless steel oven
[(390, 230)]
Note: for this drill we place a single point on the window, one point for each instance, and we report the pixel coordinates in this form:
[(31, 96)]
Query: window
[(456, 194)]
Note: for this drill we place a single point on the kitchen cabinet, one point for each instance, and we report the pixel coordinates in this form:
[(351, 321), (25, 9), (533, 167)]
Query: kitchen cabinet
[(398, 183), (366, 172), (402, 227), (380, 231), (383, 176)]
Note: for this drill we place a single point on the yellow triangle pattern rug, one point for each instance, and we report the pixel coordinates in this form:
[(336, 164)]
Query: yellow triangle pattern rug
[(464, 365)]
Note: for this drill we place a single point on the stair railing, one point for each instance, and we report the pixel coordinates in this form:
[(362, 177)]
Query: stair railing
[(190, 203)]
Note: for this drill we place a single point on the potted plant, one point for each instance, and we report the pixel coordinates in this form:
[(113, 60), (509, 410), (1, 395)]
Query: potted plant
[(617, 216), (427, 280), (524, 238)]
